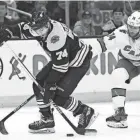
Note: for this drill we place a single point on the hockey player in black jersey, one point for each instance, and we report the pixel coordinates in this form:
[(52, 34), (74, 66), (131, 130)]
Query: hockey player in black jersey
[(70, 60)]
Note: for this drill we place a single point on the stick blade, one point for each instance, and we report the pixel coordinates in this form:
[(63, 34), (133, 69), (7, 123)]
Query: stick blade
[(2, 128), (90, 132), (87, 132)]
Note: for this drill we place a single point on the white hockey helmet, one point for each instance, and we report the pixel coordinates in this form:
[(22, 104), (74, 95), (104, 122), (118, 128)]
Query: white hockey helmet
[(134, 19)]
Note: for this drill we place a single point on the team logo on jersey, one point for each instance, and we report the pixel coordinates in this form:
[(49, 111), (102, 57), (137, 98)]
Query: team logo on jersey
[(123, 31), (55, 39), (1, 67)]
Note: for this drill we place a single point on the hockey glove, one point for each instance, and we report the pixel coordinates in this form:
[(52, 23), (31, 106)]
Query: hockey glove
[(50, 90), (5, 35)]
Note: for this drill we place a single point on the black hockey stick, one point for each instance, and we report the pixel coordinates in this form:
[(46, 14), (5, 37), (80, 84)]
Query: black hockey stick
[(2, 126), (80, 131)]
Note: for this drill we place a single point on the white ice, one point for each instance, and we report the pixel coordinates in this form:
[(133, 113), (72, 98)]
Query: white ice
[(17, 125)]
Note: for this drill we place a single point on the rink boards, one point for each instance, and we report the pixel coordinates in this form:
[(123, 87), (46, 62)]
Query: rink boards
[(95, 86)]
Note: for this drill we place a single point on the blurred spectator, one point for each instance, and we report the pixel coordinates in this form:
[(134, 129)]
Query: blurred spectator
[(40, 6), (137, 5), (12, 15), (109, 5), (84, 27), (92, 7), (3, 12), (56, 10), (129, 7), (115, 22), (4, 21), (26, 6), (73, 8)]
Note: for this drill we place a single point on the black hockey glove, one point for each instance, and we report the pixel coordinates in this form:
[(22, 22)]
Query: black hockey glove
[(5, 35), (50, 90)]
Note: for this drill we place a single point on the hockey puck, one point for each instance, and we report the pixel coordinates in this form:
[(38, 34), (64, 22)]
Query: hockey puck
[(70, 135)]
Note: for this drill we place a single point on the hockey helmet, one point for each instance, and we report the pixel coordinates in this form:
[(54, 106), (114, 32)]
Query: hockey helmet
[(134, 19), (40, 19), (41, 23)]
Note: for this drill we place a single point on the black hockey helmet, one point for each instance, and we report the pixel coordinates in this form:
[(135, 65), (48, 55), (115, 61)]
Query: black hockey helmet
[(40, 19)]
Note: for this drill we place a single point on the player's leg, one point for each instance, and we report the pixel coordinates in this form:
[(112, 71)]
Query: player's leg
[(122, 74), (46, 122), (63, 99)]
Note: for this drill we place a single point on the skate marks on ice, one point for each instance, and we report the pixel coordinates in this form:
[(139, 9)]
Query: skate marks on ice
[(17, 125)]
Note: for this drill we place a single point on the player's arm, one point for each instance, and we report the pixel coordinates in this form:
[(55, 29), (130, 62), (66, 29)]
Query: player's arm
[(110, 41), (22, 31), (13, 30)]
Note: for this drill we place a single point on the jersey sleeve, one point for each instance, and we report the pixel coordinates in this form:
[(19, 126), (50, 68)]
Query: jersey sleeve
[(23, 31), (112, 41)]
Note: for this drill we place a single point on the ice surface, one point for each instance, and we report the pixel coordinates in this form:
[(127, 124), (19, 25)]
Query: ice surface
[(17, 125)]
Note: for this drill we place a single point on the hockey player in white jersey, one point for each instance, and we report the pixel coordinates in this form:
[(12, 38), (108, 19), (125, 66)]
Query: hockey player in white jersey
[(127, 39), (70, 60)]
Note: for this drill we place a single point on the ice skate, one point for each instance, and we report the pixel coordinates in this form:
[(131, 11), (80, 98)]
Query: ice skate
[(118, 120), (44, 125), (87, 116)]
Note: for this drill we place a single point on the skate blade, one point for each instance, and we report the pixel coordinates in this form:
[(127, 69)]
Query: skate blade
[(44, 130), (122, 124), (93, 118)]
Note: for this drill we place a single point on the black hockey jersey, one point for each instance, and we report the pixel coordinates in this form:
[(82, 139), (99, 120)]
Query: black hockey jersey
[(63, 45)]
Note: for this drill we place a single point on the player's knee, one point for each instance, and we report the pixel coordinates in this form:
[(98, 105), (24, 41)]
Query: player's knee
[(119, 76)]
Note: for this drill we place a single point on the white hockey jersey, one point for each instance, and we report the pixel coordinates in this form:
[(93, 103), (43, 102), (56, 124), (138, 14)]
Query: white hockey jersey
[(128, 47)]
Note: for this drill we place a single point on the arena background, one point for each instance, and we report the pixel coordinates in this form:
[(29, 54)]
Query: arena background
[(95, 86)]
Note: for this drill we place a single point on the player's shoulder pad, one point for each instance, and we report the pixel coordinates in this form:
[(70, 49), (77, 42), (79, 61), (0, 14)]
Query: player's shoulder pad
[(108, 26), (123, 29), (57, 38)]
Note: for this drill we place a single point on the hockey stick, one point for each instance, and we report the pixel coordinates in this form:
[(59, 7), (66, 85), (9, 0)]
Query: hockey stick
[(2, 126), (20, 11), (80, 131)]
